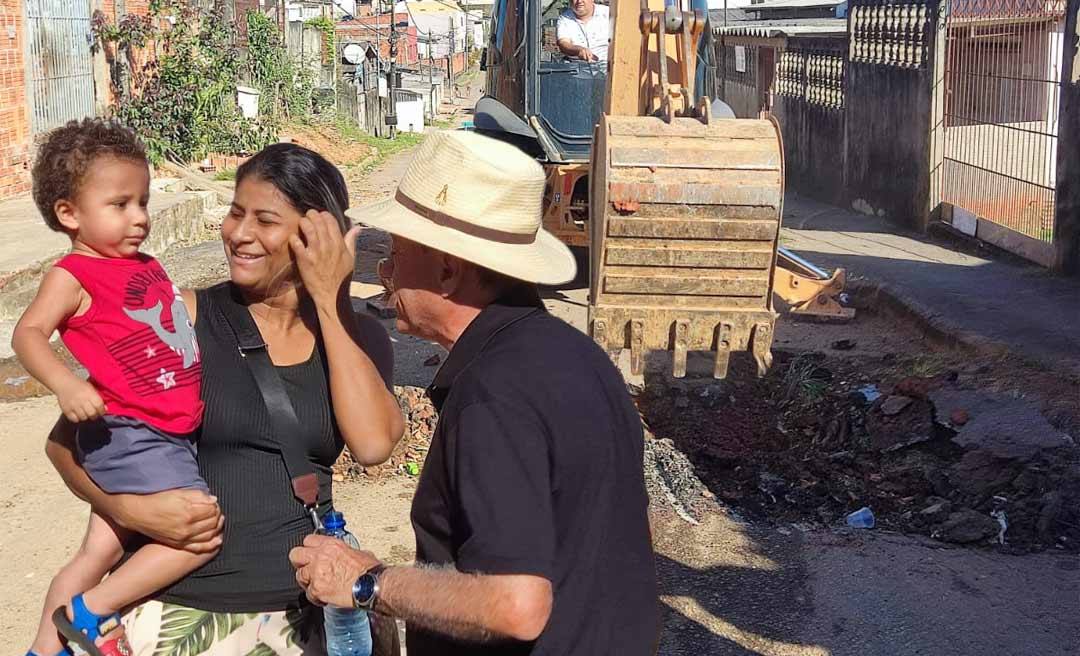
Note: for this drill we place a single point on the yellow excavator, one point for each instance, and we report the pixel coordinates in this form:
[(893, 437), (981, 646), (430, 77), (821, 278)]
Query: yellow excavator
[(679, 202)]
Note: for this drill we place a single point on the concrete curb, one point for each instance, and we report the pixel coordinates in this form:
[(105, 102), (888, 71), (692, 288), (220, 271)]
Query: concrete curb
[(936, 328)]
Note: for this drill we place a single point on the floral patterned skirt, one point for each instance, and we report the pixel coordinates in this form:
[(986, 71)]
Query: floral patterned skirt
[(157, 629)]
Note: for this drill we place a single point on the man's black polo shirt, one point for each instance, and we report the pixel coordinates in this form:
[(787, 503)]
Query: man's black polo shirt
[(536, 468)]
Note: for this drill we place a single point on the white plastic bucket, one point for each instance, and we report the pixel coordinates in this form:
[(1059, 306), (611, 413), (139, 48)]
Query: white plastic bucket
[(247, 99)]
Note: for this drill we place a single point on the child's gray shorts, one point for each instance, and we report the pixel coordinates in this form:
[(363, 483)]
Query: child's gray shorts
[(128, 456)]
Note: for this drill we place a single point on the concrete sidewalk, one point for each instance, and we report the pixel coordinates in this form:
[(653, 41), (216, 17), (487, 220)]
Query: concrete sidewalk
[(1024, 307), (29, 247)]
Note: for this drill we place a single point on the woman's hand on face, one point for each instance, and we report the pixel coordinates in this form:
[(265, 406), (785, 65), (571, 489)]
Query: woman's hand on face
[(183, 519), (324, 258)]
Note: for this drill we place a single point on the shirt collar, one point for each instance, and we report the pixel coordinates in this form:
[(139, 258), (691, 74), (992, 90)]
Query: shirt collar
[(508, 309)]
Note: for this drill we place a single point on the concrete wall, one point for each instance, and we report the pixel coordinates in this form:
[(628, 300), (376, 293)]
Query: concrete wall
[(813, 148), (809, 106), (887, 137)]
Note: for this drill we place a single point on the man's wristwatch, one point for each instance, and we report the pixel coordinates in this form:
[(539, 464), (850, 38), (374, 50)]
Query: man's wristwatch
[(366, 588)]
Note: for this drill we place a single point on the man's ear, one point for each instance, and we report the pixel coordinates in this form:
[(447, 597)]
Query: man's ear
[(452, 273), (65, 213)]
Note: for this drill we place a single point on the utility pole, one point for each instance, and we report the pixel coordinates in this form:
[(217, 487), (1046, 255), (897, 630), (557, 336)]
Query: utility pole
[(393, 65), (450, 59), (431, 78)]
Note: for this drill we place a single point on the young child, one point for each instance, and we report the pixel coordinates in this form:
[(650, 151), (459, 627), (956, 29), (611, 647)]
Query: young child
[(122, 319)]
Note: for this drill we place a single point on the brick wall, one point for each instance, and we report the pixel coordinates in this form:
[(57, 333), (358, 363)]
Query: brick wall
[(14, 112), (363, 30)]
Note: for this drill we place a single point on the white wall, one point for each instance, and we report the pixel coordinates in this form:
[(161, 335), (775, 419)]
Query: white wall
[(731, 4), (438, 26)]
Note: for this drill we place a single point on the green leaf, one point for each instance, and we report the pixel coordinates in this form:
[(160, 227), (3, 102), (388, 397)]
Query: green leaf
[(262, 650), (188, 632)]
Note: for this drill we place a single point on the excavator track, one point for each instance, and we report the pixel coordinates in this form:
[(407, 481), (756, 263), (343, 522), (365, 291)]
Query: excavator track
[(685, 219)]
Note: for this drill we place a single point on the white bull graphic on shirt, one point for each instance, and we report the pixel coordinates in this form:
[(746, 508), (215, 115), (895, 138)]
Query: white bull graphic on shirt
[(182, 339)]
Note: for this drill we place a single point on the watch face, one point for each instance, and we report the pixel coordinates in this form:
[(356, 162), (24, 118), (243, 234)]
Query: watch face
[(364, 590)]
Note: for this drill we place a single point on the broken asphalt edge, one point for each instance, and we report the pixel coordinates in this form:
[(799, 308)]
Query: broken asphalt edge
[(938, 329)]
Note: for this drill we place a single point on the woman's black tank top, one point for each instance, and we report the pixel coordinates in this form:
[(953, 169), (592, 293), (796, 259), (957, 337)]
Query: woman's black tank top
[(240, 462)]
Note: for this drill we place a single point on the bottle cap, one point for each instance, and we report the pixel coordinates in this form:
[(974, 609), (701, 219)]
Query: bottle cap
[(333, 521)]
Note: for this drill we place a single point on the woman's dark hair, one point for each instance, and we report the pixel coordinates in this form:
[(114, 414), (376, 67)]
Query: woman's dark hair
[(303, 176)]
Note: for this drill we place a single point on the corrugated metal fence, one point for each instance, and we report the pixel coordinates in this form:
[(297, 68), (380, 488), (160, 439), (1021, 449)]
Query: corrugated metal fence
[(60, 66)]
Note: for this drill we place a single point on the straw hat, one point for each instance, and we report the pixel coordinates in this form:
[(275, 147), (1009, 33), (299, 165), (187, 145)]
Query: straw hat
[(478, 199)]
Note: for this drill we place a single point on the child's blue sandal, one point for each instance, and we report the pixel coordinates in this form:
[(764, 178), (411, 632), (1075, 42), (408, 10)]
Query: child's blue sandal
[(85, 628)]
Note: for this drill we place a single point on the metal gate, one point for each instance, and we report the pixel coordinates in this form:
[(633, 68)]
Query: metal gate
[(59, 63), (1000, 122)]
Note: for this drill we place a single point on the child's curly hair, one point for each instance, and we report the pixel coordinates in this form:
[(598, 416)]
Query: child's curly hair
[(66, 155)]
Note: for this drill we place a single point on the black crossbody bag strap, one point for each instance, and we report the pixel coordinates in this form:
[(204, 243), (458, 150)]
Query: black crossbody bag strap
[(284, 424)]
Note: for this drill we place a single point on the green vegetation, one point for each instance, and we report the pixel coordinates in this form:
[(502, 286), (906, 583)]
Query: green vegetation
[(384, 148), (225, 175), (285, 86), (183, 104)]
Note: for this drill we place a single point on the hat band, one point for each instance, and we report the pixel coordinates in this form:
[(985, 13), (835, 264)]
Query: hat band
[(471, 229)]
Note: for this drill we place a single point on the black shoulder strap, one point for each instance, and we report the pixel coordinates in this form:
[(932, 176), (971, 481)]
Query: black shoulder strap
[(305, 483)]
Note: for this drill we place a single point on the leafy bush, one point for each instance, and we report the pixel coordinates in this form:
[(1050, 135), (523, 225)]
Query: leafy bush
[(185, 103)]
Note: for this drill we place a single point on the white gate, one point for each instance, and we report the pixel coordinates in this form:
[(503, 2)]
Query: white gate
[(60, 69)]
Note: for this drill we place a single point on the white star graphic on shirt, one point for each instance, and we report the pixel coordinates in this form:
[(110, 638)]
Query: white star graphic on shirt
[(167, 379), (150, 352)]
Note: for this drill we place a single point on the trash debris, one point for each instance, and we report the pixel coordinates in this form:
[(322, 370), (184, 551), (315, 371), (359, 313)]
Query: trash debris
[(958, 417), (432, 361), (861, 518), (16, 381), (412, 469), (870, 392), (1003, 523)]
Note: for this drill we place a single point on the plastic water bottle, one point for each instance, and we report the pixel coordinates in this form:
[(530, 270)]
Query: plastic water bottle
[(348, 632)]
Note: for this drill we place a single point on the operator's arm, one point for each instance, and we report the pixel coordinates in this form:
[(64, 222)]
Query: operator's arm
[(577, 52)]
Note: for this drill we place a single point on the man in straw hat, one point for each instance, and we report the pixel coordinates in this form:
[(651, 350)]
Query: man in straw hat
[(530, 515)]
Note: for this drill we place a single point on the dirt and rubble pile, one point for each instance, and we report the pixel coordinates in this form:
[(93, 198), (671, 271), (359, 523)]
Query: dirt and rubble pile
[(329, 142), (815, 440), (408, 456)]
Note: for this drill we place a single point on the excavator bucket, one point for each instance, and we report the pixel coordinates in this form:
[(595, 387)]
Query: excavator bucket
[(685, 218)]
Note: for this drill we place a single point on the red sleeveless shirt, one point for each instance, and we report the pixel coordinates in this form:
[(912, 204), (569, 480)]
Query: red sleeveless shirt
[(136, 340)]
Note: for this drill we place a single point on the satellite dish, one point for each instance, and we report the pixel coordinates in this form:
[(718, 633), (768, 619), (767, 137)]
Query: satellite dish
[(353, 53)]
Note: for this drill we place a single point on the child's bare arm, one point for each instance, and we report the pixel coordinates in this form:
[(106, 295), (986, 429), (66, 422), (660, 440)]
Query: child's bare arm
[(59, 297)]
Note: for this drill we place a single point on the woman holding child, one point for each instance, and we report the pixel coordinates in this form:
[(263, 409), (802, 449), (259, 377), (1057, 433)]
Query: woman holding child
[(289, 263)]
